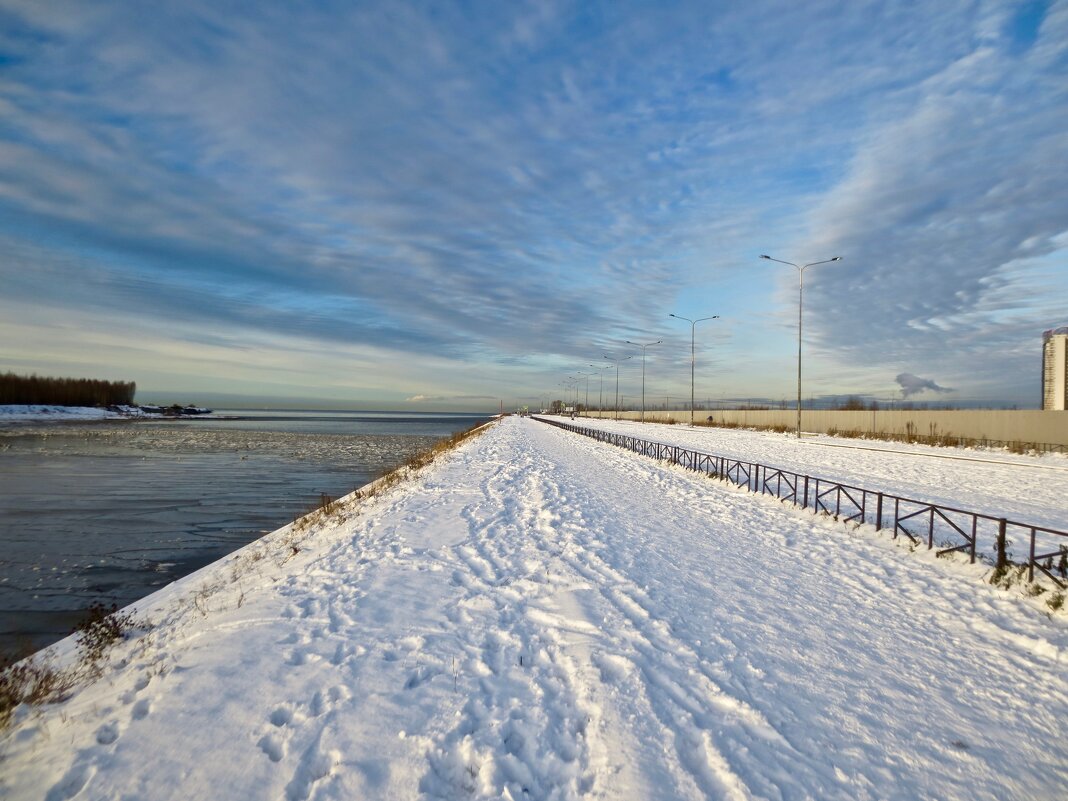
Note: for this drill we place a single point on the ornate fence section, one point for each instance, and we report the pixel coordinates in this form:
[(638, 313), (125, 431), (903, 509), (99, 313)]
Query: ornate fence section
[(923, 523)]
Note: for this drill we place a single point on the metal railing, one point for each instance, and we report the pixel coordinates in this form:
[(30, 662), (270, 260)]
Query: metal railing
[(951, 529)]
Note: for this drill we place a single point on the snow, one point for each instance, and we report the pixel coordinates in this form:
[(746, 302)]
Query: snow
[(1026, 488), (540, 615), (22, 413)]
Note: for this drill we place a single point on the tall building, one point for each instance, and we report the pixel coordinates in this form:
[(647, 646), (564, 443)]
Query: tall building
[(1055, 368)]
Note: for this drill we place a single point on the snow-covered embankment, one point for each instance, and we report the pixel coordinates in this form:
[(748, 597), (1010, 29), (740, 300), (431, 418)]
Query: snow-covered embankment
[(538, 615)]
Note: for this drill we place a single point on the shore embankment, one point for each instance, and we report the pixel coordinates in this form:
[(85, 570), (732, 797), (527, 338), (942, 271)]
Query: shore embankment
[(538, 614), (108, 512)]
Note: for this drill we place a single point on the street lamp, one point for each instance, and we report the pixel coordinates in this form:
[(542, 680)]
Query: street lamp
[(600, 387), (800, 295), (617, 361), (586, 377), (569, 384), (643, 347), (693, 327)]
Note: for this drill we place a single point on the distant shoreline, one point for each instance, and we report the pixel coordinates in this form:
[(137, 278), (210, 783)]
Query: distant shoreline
[(19, 414), (16, 416)]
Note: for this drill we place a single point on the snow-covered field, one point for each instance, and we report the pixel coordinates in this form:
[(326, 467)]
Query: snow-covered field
[(1027, 488), (542, 616)]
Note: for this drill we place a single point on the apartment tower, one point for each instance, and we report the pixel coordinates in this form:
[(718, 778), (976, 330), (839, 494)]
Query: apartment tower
[(1055, 368)]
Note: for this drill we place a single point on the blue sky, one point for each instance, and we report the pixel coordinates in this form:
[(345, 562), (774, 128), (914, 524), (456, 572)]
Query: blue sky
[(431, 205)]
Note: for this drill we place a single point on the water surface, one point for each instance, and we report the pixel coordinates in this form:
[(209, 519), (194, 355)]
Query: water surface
[(110, 511)]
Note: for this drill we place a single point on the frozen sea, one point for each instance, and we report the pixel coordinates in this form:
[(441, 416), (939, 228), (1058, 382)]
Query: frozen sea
[(110, 511)]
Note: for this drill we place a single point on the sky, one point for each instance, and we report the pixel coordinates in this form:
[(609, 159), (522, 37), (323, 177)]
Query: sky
[(454, 205)]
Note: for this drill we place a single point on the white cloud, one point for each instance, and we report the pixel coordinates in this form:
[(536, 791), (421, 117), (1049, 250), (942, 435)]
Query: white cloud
[(549, 179)]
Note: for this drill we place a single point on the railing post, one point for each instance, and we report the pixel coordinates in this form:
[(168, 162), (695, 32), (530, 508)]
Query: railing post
[(804, 503), (1031, 561), (975, 522), (1003, 559), (879, 512)]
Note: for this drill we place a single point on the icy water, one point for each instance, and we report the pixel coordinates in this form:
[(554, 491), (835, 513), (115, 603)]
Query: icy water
[(111, 511)]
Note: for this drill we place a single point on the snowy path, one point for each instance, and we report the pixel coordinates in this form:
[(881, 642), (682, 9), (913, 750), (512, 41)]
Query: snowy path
[(542, 616), (1028, 489)]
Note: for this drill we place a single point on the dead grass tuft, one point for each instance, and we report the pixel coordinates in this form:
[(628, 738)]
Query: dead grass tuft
[(32, 680), (29, 681)]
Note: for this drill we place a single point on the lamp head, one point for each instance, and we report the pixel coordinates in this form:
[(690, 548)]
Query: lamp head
[(764, 257)]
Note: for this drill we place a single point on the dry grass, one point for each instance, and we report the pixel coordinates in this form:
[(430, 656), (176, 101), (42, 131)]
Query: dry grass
[(29, 681), (417, 462), (934, 437), (102, 627), (34, 680)]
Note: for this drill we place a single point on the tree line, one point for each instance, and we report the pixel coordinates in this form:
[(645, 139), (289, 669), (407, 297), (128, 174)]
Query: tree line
[(45, 391)]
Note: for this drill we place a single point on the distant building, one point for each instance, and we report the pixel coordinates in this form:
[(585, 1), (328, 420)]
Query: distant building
[(1055, 368)]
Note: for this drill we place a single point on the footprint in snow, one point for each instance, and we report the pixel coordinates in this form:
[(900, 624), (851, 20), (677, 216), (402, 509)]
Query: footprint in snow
[(72, 783), (141, 709), (108, 733), (130, 696), (281, 716), (273, 746), (419, 676), (273, 743), (316, 764), (613, 668), (301, 657), (341, 653), (323, 702)]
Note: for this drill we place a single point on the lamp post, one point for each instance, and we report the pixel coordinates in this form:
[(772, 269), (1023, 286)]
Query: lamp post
[(800, 295), (586, 377), (643, 347), (600, 387), (617, 361), (693, 327), (569, 385)]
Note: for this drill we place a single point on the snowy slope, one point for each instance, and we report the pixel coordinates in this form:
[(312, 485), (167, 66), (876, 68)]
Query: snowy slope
[(542, 616)]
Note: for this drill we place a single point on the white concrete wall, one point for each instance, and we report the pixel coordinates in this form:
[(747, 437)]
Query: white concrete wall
[(1010, 426)]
